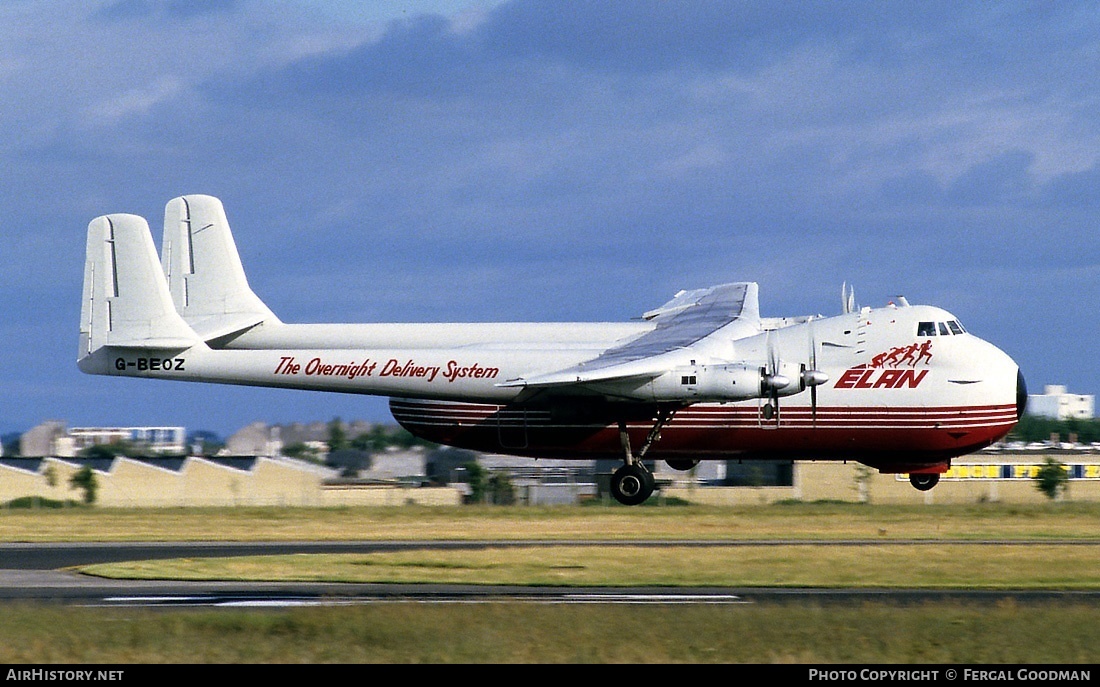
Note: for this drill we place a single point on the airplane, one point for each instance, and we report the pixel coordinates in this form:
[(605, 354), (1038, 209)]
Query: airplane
[(901, 388)]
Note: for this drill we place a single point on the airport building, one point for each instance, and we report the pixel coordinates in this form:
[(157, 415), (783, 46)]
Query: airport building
[(54, 438), (1055, 402)]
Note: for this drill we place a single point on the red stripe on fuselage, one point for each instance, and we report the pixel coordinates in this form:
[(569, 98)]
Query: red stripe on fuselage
[(718, 431)]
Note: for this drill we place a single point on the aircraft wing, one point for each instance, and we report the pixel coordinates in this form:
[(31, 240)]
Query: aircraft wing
[(683, 322)]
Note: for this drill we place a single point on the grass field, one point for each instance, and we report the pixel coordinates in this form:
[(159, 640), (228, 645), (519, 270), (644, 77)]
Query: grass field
[(786, 521), (933, 546), (876, 633), (886, 566)]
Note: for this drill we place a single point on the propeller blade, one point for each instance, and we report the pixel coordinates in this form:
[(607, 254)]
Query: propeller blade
[(773, 380), (813, 346), (813, 405), (813, 377)]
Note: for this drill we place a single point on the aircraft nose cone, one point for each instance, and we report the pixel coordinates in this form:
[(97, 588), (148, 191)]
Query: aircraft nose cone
[(1021, 394)]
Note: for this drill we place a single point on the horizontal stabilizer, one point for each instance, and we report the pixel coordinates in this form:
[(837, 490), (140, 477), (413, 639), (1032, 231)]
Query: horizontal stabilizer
[(126, 301)]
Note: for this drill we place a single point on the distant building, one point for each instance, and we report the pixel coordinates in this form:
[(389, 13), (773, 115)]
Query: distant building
[(53, 438), (44, 439), (166, 440), (257, 439), (1055, 403), (262, 439)]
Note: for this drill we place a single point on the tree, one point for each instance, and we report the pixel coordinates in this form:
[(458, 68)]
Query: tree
[(478, 479), (443, 464), (85, 479), (1052, 479), (10, 443), (208, 443), (337, 437), (485, 487), (301, 451), (374, 440), (380, 438), (1038, 428), (862, 478), (501, 491), (349, 461)]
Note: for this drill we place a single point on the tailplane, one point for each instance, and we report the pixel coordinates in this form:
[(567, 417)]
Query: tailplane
[(205, 276), (126, 301)]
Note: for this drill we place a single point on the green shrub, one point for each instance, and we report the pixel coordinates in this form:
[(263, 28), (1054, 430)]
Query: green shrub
[(38, 502), (1052, 478)]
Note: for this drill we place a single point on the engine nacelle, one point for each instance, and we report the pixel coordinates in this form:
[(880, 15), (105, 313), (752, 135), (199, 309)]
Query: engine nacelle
[(730, 382)]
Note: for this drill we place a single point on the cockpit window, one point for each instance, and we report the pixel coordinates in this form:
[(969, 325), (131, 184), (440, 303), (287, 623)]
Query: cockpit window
[(939, 328)]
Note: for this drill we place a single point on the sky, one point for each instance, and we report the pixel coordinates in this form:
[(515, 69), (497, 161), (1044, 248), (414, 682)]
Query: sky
[(526, 160)]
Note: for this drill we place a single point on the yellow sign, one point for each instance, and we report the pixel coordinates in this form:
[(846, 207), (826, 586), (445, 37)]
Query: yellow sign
[(1013, 471)]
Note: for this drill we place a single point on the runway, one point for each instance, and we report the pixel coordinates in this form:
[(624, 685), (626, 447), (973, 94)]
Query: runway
[(44, 573)]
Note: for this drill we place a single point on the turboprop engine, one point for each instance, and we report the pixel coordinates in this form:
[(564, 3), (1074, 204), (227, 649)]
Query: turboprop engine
[(725, 382)]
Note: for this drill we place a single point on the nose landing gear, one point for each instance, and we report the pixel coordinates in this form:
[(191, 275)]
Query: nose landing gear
[(924, 481)]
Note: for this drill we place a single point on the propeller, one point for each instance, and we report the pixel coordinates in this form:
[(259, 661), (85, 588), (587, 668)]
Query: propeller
[(772, 381), (812, 377)]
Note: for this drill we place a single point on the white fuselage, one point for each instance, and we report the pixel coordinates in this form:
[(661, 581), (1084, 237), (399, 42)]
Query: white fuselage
[(887, 387)]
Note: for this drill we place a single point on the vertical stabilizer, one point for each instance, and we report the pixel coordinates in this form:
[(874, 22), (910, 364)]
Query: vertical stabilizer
[(126, 300), (205, 276)]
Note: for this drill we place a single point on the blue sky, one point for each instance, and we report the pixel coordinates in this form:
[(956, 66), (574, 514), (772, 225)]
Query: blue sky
[(530, 160)]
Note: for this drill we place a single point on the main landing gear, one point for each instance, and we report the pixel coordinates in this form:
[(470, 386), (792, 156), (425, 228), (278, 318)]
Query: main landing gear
[(633, 483)]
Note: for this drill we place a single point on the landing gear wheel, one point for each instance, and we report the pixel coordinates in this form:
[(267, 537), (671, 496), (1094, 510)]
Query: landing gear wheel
[(924, 482), (632, 484)]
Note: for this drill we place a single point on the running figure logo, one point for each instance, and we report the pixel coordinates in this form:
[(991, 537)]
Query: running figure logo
[(910, 355), (892, 369)]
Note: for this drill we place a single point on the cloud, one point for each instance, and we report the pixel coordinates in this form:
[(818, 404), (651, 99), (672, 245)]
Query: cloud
[(1074, 190), (998, 181), (136, 102), (530, 159), (123, 10)]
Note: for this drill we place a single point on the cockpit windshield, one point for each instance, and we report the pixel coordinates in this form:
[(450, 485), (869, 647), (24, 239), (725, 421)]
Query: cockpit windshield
[(949, 328)]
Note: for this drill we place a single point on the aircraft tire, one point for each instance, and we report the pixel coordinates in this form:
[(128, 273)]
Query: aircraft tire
[(924, 482), (632, 484)]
